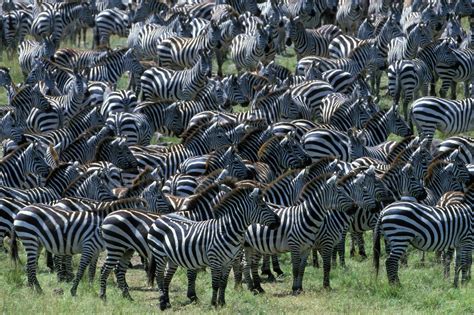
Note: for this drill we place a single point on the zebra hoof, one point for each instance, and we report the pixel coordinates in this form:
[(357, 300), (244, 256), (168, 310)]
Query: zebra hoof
[(193, 299), (258, 290), (297, 292), (127, 296), (73, 292), (164, 305)]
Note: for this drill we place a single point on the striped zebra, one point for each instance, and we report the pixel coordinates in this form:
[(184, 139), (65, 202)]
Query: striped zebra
[(121, 245), (309, 11), (406, 48), (243, 206), (461, 71), (248, 49), (300, 224), (111, 68), (7, 82), (111, 22), (35, 226), (78, 59), (93, 186), (134, 127), (448, 116), (430, 229), (119, 101), (27, 159), (349, 15), (147, 8), (29, 50), (464, 144), (408, 78), (15, 25), (165, 84), (306, 42), (177, 52)]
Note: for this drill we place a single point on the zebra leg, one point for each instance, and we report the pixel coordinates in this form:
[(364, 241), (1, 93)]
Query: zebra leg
[(192, 275), (302, 267), (67, 265), (276, 266), (266, 268), (454, 86), (247, 263), (93, 268), (121, 272), (447, 258), (223, 285), (391, 264), (439, 256), (87, 254), (326, 255), (160, 280), (315, 258), (51, 262), (334, 256), (444, 88), (465, 264), (254, 260), (353, 242), (296, 263), (457, 267), (109, 264), (32, 264), (237, 268), (361, 245), (216, 274), (57, 266)]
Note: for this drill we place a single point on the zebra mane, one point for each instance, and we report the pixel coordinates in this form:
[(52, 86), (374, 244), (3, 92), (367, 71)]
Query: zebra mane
[(101, 145), (401, 148), (363, 45), (17, 151), (121, 204), (313, 184), (111, 55), (433, 168), (193, 200), (61, 167), (215, 156), (191, 133), (264, 149), (349, 176), (443, 155), (243, 189), (374, 119), (139, 183), (321, 163), (394, 167), (77, 181)]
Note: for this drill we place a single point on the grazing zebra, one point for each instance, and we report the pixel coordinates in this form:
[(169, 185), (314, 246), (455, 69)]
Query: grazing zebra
[(408, 78), (248, 49), (234, 214), (179, 52), (448, 116), (429, 229), (306, 42), (349, 15), (165, 84), (111, 22), (26, 159), (77, 232)]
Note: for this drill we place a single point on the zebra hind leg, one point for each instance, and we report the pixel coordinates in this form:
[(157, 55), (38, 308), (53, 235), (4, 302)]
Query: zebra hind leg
[(276, 266), (315, 258), (391, 264), (237, 268), (160, 280), (191, 294), (87, 254), (266, 268), (447, 259), (31, 267), (361, 245), (109, 263), (223, 285), (93, 268), (254, 260), (326, 255), (120, 273)]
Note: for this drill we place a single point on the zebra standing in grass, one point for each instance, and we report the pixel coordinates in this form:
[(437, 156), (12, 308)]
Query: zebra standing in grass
[(461, 71), (306, 42), (29, 50), (234, 214), (448, 116), (15, 25), (179, 52), (110, 22), (79, 59), (430, 229), (407, 48), (248, 49), (349, 15), (165, 84)]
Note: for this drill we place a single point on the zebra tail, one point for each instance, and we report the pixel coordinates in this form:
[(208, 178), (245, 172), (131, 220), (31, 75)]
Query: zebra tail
[(150, 273), (14, 248), (377, 247)]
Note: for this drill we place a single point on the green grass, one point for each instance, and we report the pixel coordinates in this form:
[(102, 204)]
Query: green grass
[(355, 290)]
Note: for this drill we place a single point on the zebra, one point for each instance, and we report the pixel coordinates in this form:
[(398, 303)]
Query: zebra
[(165, 84), (134, 127), (248, 49), (306, 42), (430, 229), (462, 71), (78, 59), (463, 143), (26, 159), (349, 15), (92, 186), (448, 116), (111, 22), (408, 77), (79, 234), (28, 50), (243, 207), (309, 11), (178, 52), (119, 101), (15, 25), (406, 48), (113, 66), (317, 197)]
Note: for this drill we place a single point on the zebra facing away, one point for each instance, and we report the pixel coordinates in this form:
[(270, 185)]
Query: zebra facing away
[(426, 228), (448, 116), (214, 243)]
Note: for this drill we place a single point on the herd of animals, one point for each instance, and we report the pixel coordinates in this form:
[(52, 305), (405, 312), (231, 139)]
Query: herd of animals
[(308, 161)]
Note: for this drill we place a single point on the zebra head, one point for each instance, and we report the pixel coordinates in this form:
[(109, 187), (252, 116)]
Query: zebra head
[(132, 63), (294, 107), (376, 186), (33, 159), (215, 136), (396, 124), (9, 128), (38, 100), (460, 170), (119, 153), (257, 210), (173, 120), (95, 187), (420, 159), (411, 186), (432, 17), (205, 62), (147, 7), (234, 164), (86, 14), (361, 188), (233, 90), (445, 53), (422, 34), (5, 78), (286, 153), (214, 36), (157, 202), (454, 29)]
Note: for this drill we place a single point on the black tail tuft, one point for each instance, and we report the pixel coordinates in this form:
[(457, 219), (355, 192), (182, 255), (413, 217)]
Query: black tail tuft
[(150, 273), (377, 247), (14, 248)]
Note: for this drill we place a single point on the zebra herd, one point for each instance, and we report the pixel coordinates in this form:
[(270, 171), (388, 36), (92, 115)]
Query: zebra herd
[(84, 169)]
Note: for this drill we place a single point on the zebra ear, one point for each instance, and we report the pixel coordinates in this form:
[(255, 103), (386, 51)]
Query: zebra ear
[(454, 155), (370, 171), (224, 188), (255, 193), (222, 176), (332, 180), (449, 168), (408, 169)]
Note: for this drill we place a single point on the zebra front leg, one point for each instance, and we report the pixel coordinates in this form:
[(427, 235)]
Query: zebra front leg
[(107, 267), (361, 245), (51, 262), (160, 280), (254, 260), (237, 268), (121, 272), (246, 261), (192, 275), (457, 266), (276, 266), (67, 266), (466, 259), (447, 258), (326, 256), (391, 264), (216, 274), (223, 285), (296, 263), (93, 268), (266, 268), (86, 257)]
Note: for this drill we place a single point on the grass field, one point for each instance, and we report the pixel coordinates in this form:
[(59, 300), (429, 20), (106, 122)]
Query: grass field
[(355, 289)]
